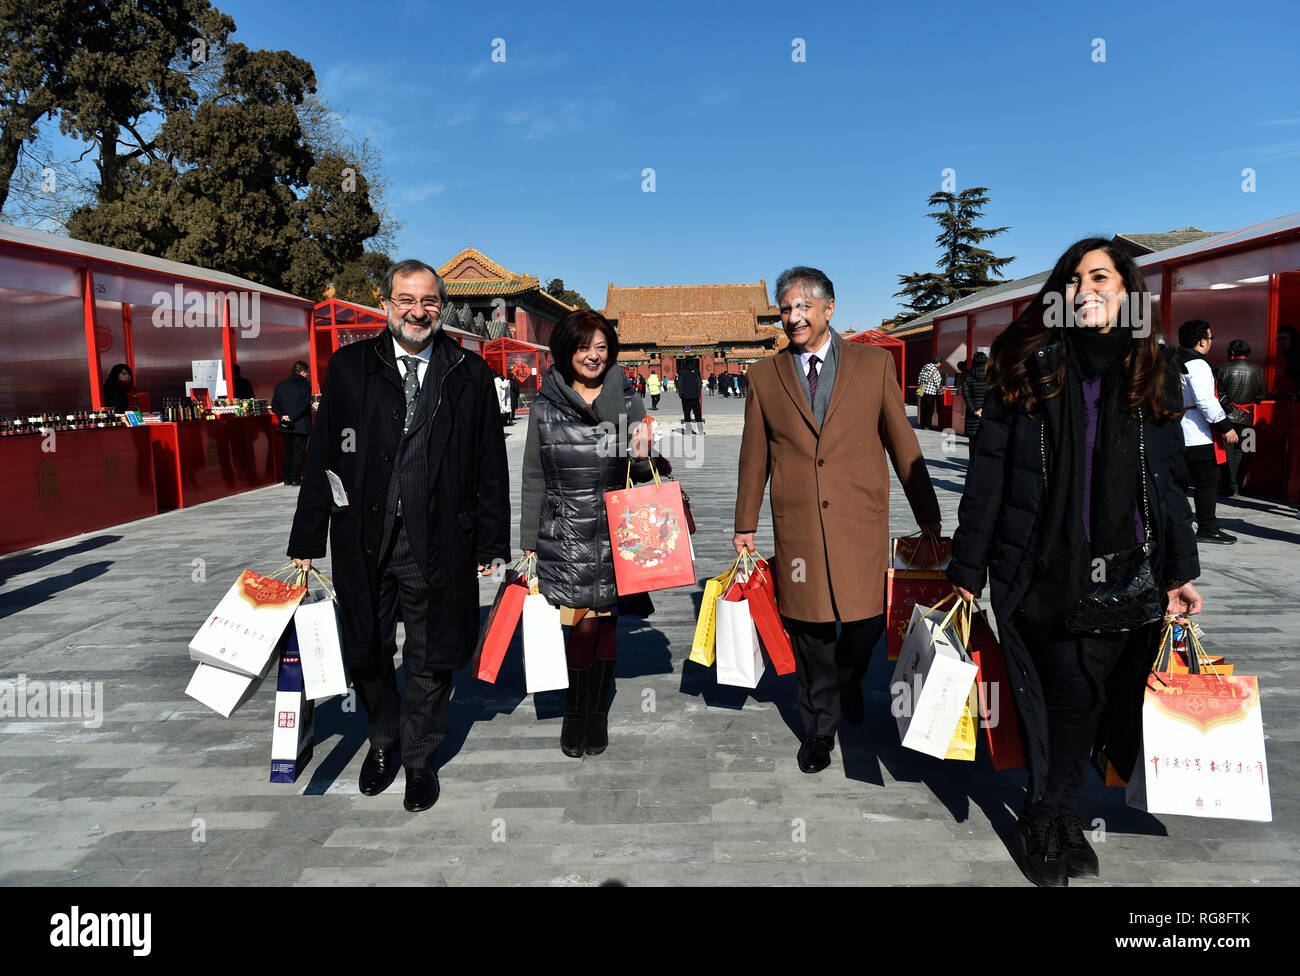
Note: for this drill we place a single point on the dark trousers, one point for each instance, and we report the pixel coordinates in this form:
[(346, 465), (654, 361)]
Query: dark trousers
[(1074, 706), (691, 405), (654, 400), (1232, 468), (1203, 475), (929, 406), (416, 718), (826, 663), (295, 451)]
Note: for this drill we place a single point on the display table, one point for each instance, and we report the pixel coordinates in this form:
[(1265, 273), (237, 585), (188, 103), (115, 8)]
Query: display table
[(199, 461), (952, 412), (89, 480)]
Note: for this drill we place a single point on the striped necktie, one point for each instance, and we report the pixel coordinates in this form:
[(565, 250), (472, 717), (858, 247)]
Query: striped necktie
[(812, 378), (412, 389)]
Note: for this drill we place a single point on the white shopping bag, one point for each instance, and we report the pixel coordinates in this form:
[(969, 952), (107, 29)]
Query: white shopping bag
[(241, 634), (545, 666), (320, 646), (221, 690), (292, 733), (931, 684), (1202, 749), (739, 656)]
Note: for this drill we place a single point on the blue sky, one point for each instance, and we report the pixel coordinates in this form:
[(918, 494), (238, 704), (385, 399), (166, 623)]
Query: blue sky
[(762, 162)]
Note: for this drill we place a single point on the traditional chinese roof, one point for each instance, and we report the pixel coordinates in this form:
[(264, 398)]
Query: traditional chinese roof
[(693, 328), (472, 274), (623, 300)]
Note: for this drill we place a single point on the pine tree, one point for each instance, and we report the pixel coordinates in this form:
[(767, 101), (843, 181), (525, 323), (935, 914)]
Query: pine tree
[(965, 267)]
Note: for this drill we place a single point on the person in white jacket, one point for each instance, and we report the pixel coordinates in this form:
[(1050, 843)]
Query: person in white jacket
[(1203, 418)]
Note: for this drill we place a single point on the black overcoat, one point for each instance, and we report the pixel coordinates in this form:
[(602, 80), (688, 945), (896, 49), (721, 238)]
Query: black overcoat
[(292, 397), (997, 534), (357, 433)]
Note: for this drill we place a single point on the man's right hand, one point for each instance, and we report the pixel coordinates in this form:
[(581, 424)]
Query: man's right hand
[(1230, 437), (304, 564), (744, 542)]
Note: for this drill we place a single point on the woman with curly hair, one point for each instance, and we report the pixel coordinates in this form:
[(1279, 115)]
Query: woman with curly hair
[(1074, 486)]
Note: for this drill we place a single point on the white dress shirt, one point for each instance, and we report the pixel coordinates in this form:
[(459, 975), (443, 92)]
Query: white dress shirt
[(1203, 408), (806, 356), (423, 357)]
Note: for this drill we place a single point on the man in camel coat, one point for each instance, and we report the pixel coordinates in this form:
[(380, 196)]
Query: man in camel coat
[(819, 419)]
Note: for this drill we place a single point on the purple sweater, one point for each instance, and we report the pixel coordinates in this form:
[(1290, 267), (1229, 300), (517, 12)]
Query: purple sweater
[(1091, 411)]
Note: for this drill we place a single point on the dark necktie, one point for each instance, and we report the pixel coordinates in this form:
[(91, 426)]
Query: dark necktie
[(412, 390), (812, 378)]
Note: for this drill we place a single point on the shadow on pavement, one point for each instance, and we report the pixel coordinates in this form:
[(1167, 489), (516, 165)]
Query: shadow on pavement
[(30, 562), (34, 594), (957, 784)]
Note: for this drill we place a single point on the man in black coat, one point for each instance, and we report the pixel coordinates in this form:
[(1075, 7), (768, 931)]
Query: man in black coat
[(291, 403), (689, 388), (410, 425)]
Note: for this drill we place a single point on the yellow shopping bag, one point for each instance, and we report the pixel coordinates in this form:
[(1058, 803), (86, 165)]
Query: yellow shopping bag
[(706, 626), (962, 745)]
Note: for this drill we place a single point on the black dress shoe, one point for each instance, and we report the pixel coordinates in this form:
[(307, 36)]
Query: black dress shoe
[(851, 706), (815, 753), (1080, 858), (421, 789), (378, 771), (1218, 535), (1041, 857)]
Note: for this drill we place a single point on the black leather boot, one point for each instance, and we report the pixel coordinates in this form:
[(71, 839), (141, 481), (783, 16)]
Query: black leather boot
[(602, 683), (573, 733)]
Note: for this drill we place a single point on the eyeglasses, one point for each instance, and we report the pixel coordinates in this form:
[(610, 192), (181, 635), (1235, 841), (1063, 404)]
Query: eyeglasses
[(406, 304)]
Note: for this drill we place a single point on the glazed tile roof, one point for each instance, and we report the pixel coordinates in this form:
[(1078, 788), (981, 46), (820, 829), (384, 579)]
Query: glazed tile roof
[(681, 328), (463, 263), (471, 273), (621, 301)]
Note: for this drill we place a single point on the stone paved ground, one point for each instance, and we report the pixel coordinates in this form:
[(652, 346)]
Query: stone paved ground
[(699, 785)]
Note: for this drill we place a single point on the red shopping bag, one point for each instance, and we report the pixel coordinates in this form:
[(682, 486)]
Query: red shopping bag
[(648, 531), (904, 589), (760, 590), (502, 621), (997, 704)]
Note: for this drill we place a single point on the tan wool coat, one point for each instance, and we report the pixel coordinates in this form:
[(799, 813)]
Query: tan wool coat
[(830, 485)]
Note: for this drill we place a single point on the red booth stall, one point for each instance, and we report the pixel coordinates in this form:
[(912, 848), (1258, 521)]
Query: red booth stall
[(525, 362), (69, 312)]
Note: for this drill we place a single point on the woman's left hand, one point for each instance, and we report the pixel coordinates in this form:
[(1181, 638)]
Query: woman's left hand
[(642, 436), (1185, 599)]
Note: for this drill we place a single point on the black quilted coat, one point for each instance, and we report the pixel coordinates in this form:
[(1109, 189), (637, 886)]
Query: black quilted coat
[(973, 391), (997, 534), (574, 454)]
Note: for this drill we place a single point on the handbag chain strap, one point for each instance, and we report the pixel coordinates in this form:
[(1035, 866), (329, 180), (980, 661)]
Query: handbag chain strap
[(1142, 476)]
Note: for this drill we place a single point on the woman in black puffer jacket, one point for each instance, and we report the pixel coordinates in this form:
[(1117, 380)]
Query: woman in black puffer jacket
[(973, 390), (1079, 457), (577, 449)]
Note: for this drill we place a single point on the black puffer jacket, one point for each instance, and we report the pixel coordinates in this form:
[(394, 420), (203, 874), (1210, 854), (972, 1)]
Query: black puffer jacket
[(997, 534), (973, 391), (574, 454)]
